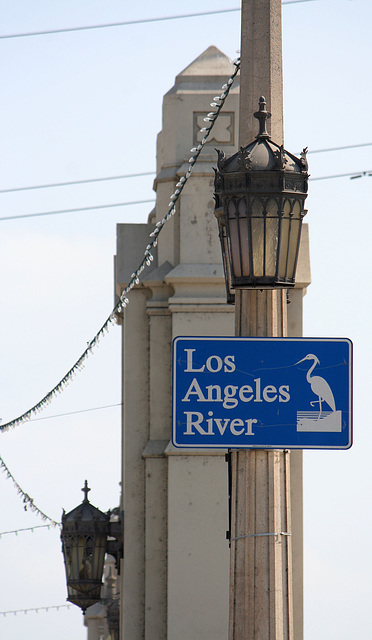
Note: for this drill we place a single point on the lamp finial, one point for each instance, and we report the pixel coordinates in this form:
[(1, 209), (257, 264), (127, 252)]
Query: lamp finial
[(85, 490), (262, 116)]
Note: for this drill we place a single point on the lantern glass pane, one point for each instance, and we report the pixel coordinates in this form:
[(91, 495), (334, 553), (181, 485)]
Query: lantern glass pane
[(84, 557), (238, 232), (257, 237), (271, 237), (234, 238), (87, 567), (284, 239), (225, 259), (67, 556), (243, 237), (294, 236), (100, 552), (73, 553)]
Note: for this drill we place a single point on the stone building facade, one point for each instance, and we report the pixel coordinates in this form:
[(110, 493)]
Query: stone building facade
[(175, 571)]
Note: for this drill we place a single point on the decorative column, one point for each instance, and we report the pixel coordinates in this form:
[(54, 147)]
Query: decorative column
[(261, 556)]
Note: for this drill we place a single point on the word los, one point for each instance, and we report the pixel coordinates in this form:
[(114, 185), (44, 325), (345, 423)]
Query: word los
[(213, 364)]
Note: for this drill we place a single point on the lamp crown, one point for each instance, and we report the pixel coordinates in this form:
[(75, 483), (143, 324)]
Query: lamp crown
[(262, 116)]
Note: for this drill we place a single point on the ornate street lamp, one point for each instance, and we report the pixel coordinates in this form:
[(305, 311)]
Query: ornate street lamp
[(84, 535), (260, 193)]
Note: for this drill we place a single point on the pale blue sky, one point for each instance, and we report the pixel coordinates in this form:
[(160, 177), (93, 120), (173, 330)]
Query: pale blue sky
[(88, 104)]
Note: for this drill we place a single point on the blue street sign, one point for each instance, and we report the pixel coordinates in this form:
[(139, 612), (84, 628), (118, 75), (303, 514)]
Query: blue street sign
[(278, 393)]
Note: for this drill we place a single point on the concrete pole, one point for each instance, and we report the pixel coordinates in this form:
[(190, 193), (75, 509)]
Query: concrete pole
[(261, 68), (261, 553)]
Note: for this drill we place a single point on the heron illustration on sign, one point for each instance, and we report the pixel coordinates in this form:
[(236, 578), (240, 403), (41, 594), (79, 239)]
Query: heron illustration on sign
[(319, 386)]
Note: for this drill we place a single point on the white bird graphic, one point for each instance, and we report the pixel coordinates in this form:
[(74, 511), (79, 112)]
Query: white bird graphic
[(319, 386)]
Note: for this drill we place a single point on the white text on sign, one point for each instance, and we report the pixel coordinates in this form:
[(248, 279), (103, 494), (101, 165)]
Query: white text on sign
[(229, 396)]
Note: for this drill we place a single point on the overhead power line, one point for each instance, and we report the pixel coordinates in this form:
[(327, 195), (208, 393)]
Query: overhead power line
[(151, 173), (110, 25), (74, 182), (352, 176), (73, 413), (93, 208), (348, 146), (132, 22)]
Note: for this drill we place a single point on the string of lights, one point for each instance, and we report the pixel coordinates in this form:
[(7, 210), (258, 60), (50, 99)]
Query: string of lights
[(26, 611), (28, 502), (17, 531), (26, 499), (147, 260)]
